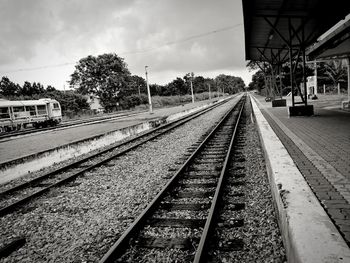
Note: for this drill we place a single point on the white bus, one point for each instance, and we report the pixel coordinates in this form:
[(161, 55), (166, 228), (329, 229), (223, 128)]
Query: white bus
[(19, 114)]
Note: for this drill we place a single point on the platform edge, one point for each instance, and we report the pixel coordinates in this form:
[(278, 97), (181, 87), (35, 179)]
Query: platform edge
[(308, 233)]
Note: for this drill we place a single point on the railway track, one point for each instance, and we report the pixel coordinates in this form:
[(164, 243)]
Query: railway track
[(180, 221), (10, 135), (15, 197)]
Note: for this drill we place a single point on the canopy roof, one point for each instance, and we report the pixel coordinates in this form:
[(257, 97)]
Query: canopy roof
[(272, 26), (335, 45)]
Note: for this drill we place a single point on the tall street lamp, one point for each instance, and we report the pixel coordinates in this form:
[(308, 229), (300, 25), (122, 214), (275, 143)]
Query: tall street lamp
[(148, 92), (191, 80)]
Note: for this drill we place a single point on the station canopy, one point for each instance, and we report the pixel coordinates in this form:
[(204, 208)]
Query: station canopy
[(336, 45), (275, 27)]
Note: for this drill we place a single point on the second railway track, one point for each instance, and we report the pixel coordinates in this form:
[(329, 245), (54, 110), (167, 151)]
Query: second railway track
[(14, 197), (189, 202)]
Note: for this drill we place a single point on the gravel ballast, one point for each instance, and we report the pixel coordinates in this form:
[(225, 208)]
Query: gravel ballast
[(247, 229), (80, 221)]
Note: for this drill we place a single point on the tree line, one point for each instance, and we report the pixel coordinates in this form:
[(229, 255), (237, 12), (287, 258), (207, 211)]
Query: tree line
[(108, 77), (328, 73)]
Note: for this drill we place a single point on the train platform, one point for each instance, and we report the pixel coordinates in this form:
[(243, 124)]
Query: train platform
[(308, 161), (28, 153)]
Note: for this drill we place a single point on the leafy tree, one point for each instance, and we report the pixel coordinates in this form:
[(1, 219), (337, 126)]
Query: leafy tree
[(50, 88), (176, 87), (257, 82), (133, 100), (335, 71), (136, 85), (26, 89), (8, 88), (229, 84), (29, 89), (37, 88), (200, 84), (212, 83), (157, 89), (70, 101), (105, 76)]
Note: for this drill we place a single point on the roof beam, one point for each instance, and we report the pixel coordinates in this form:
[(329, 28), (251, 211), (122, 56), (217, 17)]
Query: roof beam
[(262, 53), (276, 48), (277, 31), (284, 13), (293, 34)]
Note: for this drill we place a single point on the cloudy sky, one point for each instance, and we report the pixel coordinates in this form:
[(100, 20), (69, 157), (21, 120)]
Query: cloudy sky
[(42, 40)]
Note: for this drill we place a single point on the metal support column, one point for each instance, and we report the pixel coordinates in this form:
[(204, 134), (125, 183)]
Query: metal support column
[(304, 77), (291, 61), (291, 76), (304, 65), (315, 81)]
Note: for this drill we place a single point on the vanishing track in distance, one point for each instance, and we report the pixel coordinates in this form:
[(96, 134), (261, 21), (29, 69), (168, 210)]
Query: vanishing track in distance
[(184, 213)]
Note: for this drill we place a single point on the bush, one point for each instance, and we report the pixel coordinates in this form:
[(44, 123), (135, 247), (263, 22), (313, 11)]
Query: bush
[(133, 101)]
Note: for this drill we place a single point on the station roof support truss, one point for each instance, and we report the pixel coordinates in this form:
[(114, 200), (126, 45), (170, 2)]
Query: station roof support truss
[(279, 31)]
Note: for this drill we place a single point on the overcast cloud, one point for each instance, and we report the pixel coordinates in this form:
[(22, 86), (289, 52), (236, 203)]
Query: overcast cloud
[(172, 37)]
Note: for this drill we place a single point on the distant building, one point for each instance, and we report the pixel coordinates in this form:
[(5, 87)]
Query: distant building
[(94, 102), (311, 85)]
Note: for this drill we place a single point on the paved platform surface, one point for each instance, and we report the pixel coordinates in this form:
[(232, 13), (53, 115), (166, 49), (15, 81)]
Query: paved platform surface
[(320, 148)]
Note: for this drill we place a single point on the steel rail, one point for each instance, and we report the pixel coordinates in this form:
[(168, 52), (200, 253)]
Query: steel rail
[(8, 136), (120, 245), (208, 228), (169, 126), (69, 166)]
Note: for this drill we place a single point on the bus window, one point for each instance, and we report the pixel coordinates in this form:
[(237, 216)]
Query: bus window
[(4, 113), (55, 107), (18, 109), (31, 110), (41, 109), (18, 112)]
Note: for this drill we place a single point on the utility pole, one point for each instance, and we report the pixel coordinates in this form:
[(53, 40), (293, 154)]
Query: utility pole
[(209, 91), (148, 92), (191, 80)]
